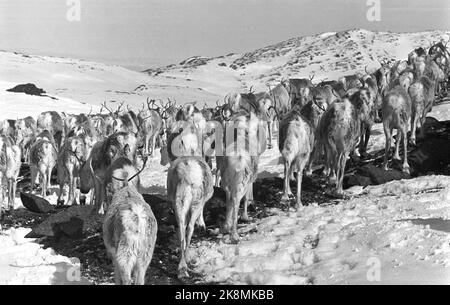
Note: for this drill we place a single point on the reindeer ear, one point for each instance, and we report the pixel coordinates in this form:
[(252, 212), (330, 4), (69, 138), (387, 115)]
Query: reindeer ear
[(127, 149), (112, 151)]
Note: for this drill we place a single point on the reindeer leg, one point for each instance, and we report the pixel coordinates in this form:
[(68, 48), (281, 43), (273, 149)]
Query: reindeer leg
[(227, 225), (269, 127), (287, 174), (414, 124), (60, 200), (233, 234), (248, 198), (301, 166), (405, 167), (49, 177), (387, 149), (33, 170), (201, 222), (13, 193), (71, 199), (397, 145), (182, 266)]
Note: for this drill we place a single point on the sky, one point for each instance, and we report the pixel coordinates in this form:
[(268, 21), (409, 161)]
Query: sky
[(140, 34)]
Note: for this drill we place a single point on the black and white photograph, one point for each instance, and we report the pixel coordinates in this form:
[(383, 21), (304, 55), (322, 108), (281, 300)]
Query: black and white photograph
[(224, 147)]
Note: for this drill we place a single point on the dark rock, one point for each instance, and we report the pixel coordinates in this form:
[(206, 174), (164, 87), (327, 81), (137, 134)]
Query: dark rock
[(433, 155), (30, 89), (379, 176), (74, 222), (35, 203), (353, 180)]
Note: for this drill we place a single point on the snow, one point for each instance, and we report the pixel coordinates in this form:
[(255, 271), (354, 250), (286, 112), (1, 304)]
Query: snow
[(402, 227), (333, 244), (24, 262)]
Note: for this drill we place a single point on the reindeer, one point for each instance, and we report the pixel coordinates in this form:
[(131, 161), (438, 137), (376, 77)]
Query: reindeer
[(350, 82), (396, 113), (102, 155), (296, 144), (397, 69), (339, 131), (71, 158), (43, 156), (183, 139), (71, 121), (53, 122), (375, 104), (111, 118), (189, 186), (151, 125), (129, 235), (207, 112), (8, 127), (239, 165), (99, 125), (274, 103), (296, 88), (24, 133), (10, 161), (416, 54), (422, 97), (313, 112)]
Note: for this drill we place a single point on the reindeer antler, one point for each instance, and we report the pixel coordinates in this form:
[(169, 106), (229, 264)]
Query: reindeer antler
[(106, 107), (118, 108)]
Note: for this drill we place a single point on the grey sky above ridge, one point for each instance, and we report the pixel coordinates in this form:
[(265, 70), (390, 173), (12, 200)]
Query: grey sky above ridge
[(149, 33)]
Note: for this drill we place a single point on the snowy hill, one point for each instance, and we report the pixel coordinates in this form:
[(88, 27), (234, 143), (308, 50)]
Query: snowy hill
[(79, 83)]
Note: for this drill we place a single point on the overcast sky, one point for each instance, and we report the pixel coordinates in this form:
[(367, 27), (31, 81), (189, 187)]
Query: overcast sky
[(145, 33)]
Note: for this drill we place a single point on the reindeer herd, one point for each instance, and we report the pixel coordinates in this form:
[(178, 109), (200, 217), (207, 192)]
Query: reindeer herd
[(105, 153)]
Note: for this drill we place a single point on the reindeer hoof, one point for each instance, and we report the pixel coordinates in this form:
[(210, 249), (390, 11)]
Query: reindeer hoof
[(234, 238), (298, 206), (246, 218), (286, 197), (183, 272), (60, 202), (406, 169), (225, 229)]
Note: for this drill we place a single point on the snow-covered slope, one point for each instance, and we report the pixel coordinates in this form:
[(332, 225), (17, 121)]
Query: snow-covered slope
[(205, 80)]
